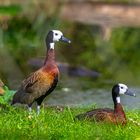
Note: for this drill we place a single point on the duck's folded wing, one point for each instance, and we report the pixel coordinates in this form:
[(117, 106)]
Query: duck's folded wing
[(29, 83), (33, 87), (37, 82), (95, 114)]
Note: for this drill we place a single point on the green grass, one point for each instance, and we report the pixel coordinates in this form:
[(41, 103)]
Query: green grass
[(51, 124), (58, 124)]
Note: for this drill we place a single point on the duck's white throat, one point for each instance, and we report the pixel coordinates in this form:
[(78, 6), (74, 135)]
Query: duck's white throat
[(51, 45), (118, 99)]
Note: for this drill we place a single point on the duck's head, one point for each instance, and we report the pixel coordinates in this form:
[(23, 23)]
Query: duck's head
[(55, 36), (119, 89)]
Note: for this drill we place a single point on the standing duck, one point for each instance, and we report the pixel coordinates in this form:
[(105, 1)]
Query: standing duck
[(42, 82), (1, 88), (116, 116)]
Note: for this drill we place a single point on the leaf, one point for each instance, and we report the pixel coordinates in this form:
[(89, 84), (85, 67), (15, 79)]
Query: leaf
[(5, 99)]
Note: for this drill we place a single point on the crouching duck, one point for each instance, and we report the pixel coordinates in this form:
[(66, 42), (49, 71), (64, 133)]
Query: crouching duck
[(43, 81), (116, 116)]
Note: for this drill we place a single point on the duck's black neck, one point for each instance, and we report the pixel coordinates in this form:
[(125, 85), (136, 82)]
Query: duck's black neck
[(50, 54), (115, 95), (115, 99), (118, 109)]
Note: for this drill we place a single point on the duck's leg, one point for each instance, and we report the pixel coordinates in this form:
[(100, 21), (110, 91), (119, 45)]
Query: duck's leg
[(30, 107), (38, 109), (39, 101)]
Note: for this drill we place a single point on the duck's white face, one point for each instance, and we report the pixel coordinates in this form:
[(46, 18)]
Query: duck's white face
[(57, 35), (122, 88)]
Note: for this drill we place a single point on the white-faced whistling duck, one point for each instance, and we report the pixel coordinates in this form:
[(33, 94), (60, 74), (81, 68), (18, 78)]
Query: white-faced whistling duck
[(42, 82), (1, 88), (116, 116)]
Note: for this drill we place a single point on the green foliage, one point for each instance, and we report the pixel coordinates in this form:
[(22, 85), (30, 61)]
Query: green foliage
[(6, 98), (10, 10), (118, 1), (53, 124), (24, 39), (121, 54), (20, 41), (82, 48), (126, 43)]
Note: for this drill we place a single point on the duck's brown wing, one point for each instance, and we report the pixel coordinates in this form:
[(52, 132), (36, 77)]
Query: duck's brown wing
[(36, 85), (100, 114)]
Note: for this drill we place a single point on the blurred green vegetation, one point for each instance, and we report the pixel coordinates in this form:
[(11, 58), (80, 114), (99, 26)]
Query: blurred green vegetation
[(23, 36), (10, 10), (7, 97), (117, 58)]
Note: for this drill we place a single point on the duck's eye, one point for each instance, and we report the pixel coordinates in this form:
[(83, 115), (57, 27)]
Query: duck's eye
[(56, 33), (121, 87)]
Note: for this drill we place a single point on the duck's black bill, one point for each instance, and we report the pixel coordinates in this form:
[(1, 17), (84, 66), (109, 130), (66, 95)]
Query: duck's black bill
[(64, 39), (130, 93)]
